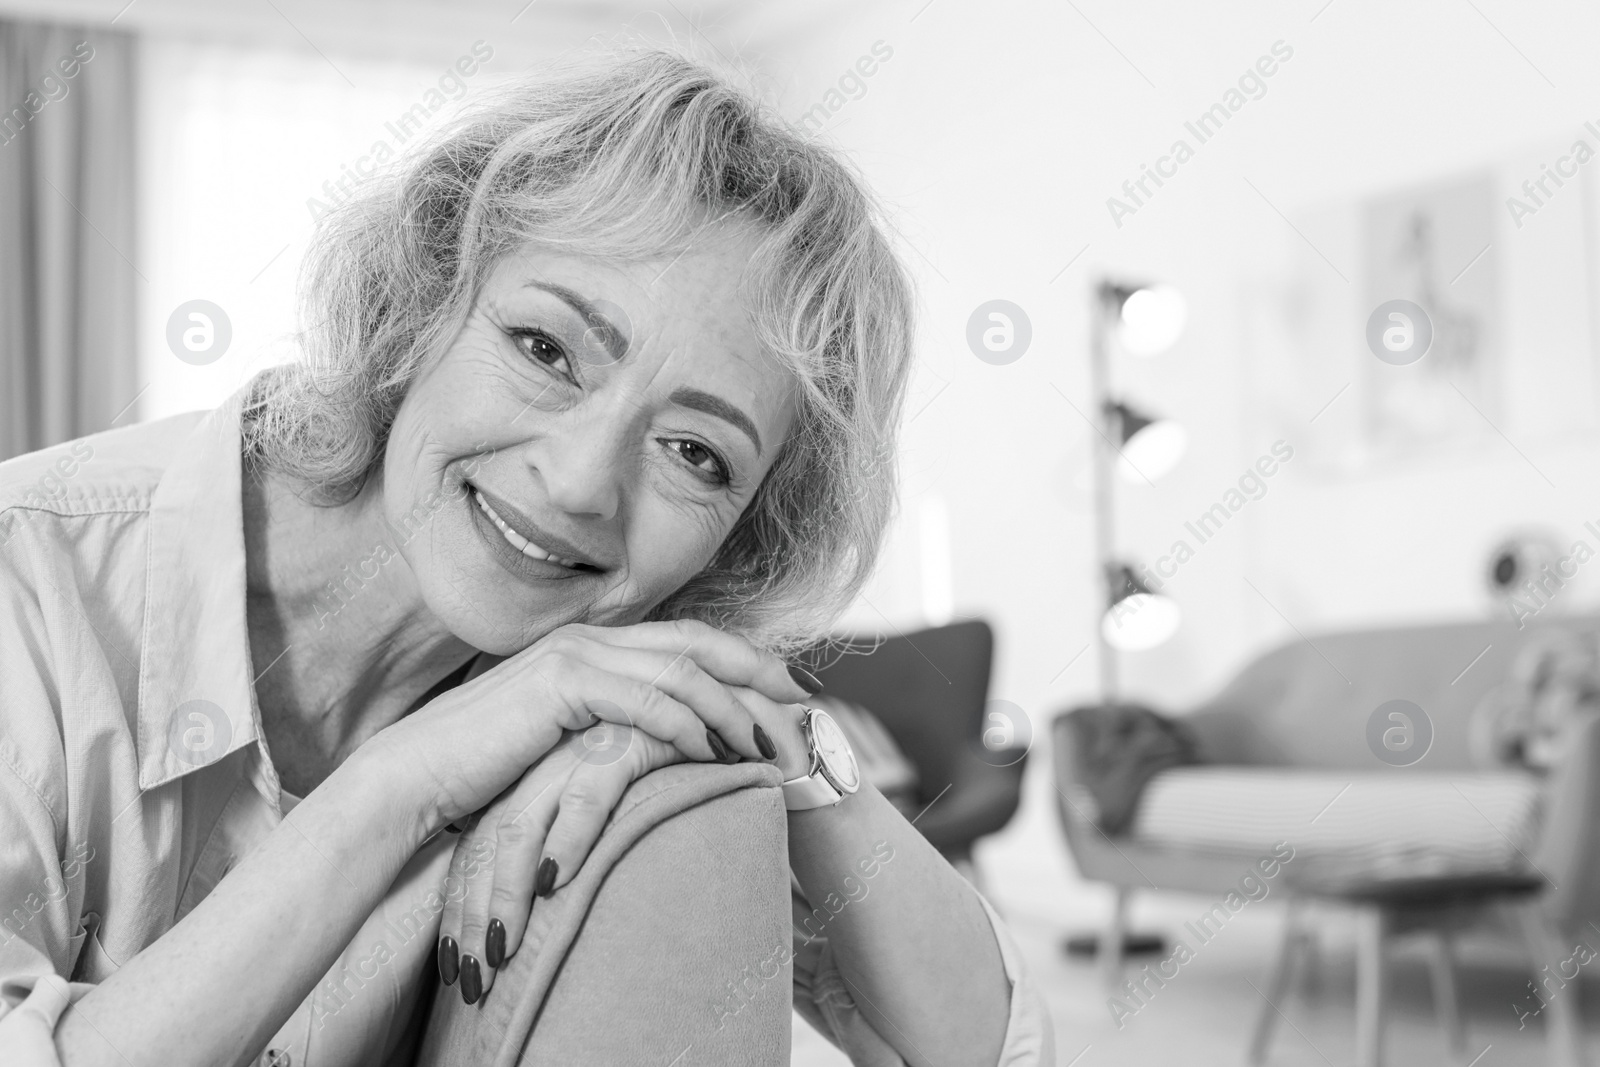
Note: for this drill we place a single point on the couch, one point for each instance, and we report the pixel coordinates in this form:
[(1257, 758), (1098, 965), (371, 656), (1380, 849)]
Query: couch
[(1302, 716)]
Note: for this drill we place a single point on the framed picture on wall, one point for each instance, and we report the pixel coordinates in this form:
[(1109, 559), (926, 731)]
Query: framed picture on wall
[(1434, 246), (1510, 285)]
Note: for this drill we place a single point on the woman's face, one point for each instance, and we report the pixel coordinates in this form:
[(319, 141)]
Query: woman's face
[(586, 443)]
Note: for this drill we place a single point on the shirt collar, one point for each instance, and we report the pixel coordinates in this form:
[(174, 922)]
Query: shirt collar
[(196, 697)]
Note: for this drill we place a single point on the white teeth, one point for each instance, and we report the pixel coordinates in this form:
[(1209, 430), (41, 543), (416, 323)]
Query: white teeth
[(516, 540)]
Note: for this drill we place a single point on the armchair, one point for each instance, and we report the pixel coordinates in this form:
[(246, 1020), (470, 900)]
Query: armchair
[(929, 688)]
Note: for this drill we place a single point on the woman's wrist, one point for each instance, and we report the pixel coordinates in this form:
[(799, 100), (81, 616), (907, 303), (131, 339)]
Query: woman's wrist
[(832, 819), (380, 788)]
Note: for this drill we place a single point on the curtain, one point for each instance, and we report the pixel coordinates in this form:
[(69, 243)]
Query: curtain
[(68, 363)]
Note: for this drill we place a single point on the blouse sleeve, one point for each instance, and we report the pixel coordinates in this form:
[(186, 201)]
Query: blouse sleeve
[(36, 945), (824, 999), (27, 1031)]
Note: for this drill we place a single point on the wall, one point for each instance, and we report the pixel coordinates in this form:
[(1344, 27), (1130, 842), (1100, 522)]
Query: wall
[(998, 139)]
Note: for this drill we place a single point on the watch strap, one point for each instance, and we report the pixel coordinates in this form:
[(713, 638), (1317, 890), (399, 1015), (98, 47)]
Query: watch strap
[(809, 791)]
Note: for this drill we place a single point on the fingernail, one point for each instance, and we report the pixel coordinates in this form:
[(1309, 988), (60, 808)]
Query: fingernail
[(718, 749), (449, 961), (471, 980), (548, 869), (494, 944), (805, 680), (764, 743)]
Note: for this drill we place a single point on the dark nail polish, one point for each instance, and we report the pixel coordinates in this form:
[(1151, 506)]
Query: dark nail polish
[(494, 944), (449, 960), (471, 980), (805, 679), (718, 748), (764, 743), (548, 869)]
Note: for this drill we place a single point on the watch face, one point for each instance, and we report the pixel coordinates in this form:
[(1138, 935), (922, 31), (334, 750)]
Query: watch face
[(834, 750)]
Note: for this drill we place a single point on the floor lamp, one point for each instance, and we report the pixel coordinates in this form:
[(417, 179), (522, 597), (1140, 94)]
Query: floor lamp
[(1139, 448), (1135, 447)]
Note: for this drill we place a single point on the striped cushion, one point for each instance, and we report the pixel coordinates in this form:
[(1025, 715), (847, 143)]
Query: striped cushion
[(1351, 827)]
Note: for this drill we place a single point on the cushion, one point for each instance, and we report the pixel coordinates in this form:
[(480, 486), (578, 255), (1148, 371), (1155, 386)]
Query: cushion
[(1117, 749), (1526, 721), (1349, 828)]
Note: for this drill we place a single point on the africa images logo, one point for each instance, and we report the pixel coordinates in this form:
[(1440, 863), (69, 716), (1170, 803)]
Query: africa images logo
[(1399, 332), (199, 733), (1399, 733)]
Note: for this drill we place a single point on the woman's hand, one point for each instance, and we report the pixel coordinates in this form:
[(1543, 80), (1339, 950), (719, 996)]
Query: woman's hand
[(674, 681), (538, 832), (781, 721), (542, 829)]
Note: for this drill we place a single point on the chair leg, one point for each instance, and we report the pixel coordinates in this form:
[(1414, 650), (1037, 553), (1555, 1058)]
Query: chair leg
[(1562, 1012), (1311, 962), (1442, 965), (1372, 927), (1112, 940), (1277, 991)]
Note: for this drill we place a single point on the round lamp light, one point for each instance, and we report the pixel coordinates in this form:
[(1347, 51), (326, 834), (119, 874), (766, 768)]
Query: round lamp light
[(1151, 446), (1137, 619), (1152, 319)]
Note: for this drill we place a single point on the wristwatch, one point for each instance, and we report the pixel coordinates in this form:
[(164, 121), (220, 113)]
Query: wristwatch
[(833, 774)]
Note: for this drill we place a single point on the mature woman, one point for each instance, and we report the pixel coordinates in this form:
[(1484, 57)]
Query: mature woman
[(593, 426)]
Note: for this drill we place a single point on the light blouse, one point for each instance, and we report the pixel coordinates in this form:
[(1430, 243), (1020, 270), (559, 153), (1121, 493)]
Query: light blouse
[(134, 771)]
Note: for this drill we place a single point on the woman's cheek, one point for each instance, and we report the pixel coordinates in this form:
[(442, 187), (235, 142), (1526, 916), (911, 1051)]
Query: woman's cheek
[(670, 546)]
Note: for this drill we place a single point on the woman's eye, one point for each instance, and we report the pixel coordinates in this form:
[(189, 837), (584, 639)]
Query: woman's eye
[(701, 458), (539, 346)]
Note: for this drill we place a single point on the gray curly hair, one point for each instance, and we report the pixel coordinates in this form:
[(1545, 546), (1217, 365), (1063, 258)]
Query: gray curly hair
[(630, 158)]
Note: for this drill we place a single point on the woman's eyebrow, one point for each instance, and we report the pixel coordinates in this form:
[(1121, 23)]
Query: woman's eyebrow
[(700, 400), (615, 342)]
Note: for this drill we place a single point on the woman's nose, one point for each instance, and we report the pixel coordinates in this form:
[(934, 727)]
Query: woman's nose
[(582, 464)]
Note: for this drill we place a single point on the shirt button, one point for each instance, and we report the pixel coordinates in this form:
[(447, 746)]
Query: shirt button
[(276, 1057)]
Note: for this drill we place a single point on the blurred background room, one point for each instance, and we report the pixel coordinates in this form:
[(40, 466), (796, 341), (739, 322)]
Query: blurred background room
[(1257, 417)]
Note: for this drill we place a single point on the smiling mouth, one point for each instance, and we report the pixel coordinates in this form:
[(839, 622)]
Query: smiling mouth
[(522, 544)]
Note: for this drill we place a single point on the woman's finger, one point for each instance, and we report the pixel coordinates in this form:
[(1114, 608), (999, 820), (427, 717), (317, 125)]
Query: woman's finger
[(727, 657), (519, 840), (627, 701), (449, 953), (471, 879), (782, 724), (589, 797), (681, 678)]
